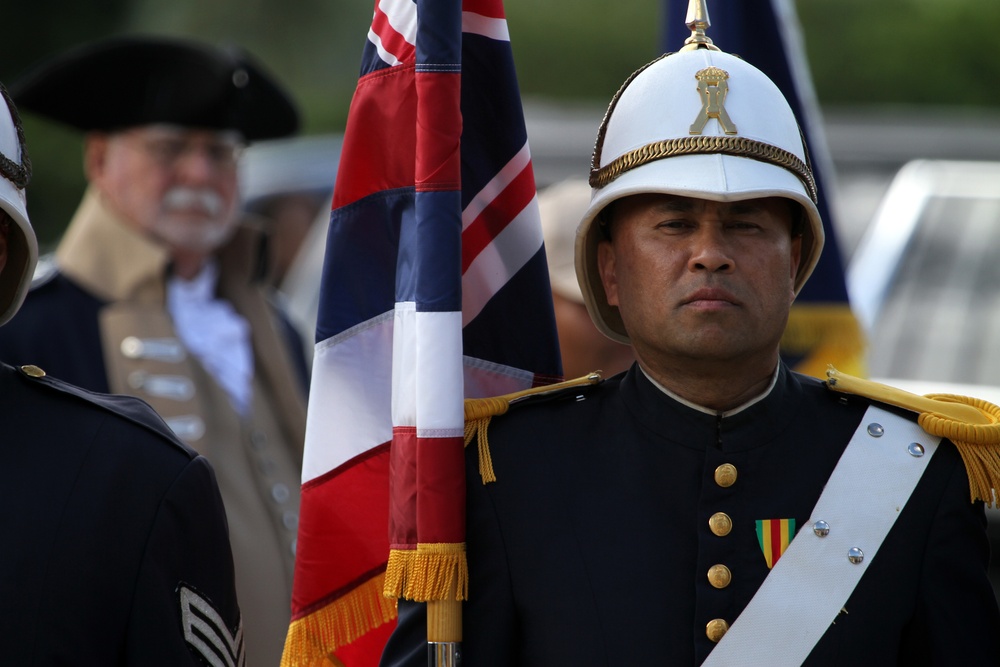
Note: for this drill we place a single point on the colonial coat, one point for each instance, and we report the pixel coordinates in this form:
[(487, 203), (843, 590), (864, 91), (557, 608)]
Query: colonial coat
[(101, 322), (114, 531), (600, 541)]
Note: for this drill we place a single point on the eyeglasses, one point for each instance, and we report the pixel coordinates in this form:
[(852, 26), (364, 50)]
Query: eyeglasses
[(167, 146)]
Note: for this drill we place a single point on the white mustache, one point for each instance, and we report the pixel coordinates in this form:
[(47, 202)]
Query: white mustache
[(185, 198)]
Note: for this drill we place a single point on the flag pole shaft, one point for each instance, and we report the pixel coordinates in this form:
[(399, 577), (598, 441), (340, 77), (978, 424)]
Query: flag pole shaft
[(444, 633), (443, 654)]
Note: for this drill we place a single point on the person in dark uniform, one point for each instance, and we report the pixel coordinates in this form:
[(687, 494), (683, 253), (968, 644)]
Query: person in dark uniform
[(116, 544), (157, 288), (709, 506)]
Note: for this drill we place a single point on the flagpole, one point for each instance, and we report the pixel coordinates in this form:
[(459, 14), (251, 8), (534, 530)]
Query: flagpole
[(444, 633)]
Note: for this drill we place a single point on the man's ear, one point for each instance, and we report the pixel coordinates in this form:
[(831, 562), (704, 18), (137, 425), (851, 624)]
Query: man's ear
[(95, 152), (5, 225), (606, 267), (795, 260)]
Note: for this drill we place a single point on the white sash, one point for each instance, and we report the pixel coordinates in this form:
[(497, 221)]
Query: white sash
[(812, 581)]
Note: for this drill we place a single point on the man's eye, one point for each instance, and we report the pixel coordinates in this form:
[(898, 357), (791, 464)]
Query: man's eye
[(674, 224), (166, 149)]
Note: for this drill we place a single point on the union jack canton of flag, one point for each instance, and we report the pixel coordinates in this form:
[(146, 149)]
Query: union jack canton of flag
[(434, 289)]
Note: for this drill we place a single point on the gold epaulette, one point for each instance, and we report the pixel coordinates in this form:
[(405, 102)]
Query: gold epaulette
[(972, 425), (479, 412)]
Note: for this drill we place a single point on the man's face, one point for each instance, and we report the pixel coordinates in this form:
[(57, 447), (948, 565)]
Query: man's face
[(178, 185), (699, 280)]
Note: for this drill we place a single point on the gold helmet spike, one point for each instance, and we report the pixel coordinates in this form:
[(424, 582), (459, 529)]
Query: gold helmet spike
[(697, 19)]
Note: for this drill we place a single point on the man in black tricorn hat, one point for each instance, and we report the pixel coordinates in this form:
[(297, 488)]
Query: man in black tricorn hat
[(116, 550), (157, 289)]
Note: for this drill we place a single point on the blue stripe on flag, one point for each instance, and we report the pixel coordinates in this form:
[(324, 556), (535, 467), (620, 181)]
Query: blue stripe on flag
[(430, 254), (358, 281), (496, 132), (439, 41)]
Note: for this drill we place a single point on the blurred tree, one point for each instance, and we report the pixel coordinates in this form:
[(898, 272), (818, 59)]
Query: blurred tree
[(938, 52), (36, 30), (941, 52)]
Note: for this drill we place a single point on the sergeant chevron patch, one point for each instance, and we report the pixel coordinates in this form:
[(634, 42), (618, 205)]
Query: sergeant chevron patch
[(207, 634)]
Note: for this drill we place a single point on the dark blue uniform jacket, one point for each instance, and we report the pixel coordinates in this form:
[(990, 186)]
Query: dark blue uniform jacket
[(106, 520), (593, 546)]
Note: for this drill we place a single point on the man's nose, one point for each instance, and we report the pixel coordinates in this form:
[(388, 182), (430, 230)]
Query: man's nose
[(710, 251)]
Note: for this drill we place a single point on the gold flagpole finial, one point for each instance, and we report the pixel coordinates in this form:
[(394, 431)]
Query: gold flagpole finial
[(697, 19)]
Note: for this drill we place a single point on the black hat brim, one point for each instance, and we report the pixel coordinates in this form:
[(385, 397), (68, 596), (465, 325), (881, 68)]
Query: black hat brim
[(131, 81)]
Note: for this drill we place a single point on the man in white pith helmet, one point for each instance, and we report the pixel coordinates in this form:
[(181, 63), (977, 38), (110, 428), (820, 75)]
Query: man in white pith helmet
[(116, 543), (710, 506)]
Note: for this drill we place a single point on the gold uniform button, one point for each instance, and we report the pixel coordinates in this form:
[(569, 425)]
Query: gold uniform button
[(715, 629), (33, 371), (719, 576), (720, 524), (725, 475)]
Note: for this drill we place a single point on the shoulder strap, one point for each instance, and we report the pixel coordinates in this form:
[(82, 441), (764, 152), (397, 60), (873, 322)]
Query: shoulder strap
[(812, 581), (479, 412), (971, 424)]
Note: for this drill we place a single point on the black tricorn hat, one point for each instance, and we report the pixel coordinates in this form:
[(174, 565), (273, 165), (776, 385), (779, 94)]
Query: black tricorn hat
[(135, 80)]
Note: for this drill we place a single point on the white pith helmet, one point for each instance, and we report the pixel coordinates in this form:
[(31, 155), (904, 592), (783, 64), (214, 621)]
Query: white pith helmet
[(22, 247), (699, 123)]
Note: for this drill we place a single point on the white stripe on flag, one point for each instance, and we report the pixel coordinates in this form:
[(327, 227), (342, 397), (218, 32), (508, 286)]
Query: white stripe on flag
[(440, 394), (478, 24), (348, 411), (500, 260), (404, 365), (497, 184), (383, 53), (402, 15), (485, 378)]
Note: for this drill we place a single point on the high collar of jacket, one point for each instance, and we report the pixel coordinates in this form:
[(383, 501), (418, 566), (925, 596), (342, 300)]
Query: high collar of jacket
[(115, 262), (752, 427)]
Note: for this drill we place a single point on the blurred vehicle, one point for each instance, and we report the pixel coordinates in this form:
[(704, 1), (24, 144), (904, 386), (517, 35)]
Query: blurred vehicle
[(925, 283)]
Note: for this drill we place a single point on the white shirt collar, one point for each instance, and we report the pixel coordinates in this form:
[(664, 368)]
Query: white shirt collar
[(701, 408)]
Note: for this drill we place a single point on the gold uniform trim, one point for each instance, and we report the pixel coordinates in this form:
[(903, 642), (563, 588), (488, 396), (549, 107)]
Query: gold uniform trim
[(701, 145)]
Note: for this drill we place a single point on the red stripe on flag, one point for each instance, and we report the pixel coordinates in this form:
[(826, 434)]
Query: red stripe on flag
[(441, 480), (489, 8), (380, 139), (775, 526), (495, 217), (403, 473), (392, 41), (365, 651), (439, 127), (345, 513)]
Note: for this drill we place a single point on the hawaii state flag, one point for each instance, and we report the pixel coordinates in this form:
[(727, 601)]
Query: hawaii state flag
[(434, 289), (821, 329)]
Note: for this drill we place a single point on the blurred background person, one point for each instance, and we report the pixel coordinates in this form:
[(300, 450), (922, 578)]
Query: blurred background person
[(584, 349), (158, 291), (287, 186), (118, 544)]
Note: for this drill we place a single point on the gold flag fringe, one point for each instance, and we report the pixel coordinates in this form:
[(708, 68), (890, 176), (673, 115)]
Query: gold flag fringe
[(971, 424), (313, 639), (429, 572)]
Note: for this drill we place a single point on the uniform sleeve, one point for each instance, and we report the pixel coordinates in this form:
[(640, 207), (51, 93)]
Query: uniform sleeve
[(407, 645), (956, 619), (185, 610)]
